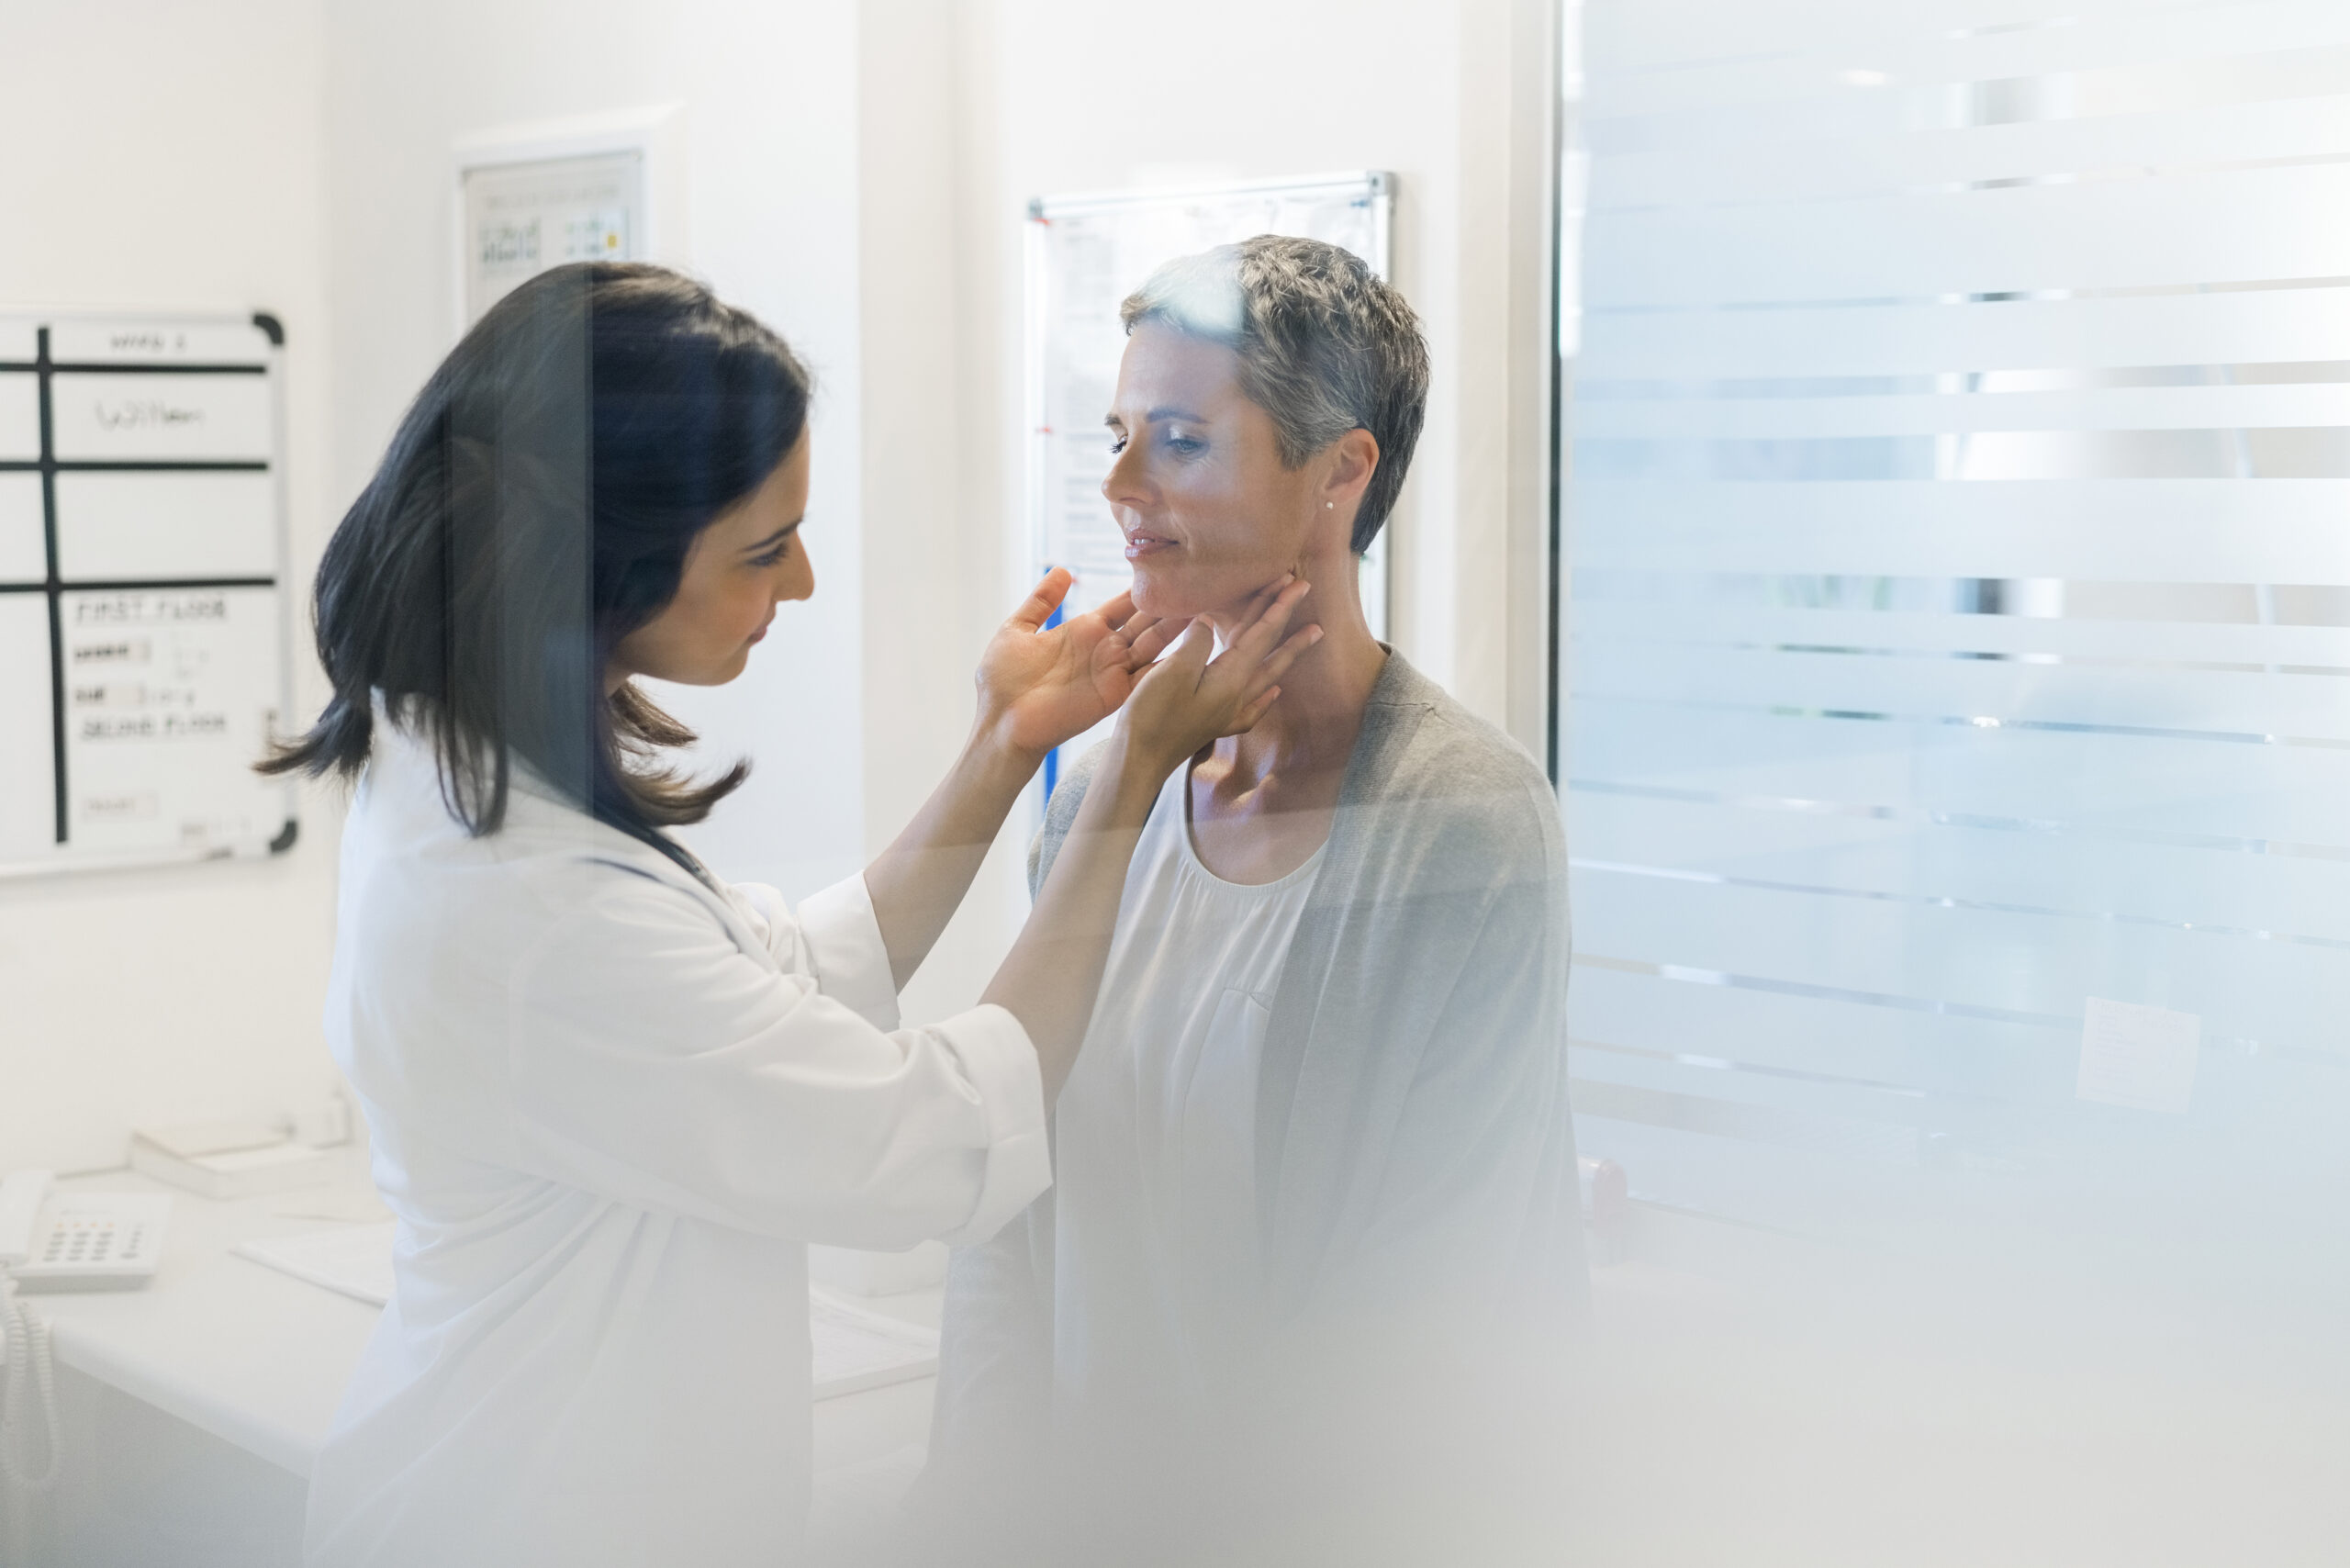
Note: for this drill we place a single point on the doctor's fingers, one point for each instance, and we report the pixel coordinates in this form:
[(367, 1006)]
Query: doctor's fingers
[(1256, 641), (1263, 601), (1043, 599), (1252, 682), (1194, 641), (1147, 638), (1256, 708), (1280, 658)]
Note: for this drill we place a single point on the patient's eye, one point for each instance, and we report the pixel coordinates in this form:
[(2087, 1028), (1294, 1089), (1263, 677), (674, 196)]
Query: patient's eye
[(1184, 445)]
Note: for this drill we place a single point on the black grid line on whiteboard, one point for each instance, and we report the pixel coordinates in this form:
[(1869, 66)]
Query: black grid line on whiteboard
[(52, 581), (96, 466), (139, 367)]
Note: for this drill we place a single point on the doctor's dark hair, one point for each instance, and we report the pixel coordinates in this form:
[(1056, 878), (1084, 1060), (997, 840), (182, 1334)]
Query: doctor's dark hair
[(534, 508), (1325, 347)]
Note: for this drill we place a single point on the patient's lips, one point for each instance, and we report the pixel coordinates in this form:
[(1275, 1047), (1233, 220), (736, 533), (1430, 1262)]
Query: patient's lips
[(1141, 542)]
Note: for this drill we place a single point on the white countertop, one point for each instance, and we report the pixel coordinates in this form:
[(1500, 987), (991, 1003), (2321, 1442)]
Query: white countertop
[(260, 1359)]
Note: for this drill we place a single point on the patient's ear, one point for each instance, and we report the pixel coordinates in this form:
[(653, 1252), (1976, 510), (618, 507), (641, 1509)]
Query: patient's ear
[(1353, 459)]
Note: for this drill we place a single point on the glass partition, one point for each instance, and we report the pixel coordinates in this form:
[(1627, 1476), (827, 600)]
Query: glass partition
[(1957, 741)]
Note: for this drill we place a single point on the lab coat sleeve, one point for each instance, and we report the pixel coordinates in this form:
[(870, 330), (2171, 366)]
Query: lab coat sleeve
[(845, 944), (653, 1060)]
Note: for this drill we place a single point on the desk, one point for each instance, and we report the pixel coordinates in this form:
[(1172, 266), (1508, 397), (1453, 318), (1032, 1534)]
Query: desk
[(193, 1407)]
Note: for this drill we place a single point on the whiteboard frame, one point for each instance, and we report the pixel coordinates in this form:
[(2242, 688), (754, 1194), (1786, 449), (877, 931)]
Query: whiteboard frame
[(1378, 185), (68, 859)]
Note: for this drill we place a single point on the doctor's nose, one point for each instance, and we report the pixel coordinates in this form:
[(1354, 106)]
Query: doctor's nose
[(799, 583)]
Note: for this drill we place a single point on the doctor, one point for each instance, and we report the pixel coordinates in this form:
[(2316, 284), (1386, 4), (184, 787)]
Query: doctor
[(612, 1097)]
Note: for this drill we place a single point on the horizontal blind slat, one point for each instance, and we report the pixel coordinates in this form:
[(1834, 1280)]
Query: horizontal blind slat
[(2187, 229), (2277, 531)]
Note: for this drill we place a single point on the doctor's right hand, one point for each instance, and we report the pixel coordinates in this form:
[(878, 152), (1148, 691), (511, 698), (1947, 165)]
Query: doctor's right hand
[(1188, 701), (1041, 685)]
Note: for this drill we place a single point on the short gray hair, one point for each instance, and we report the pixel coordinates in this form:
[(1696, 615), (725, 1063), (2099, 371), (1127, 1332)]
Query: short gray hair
[(1324, 346)]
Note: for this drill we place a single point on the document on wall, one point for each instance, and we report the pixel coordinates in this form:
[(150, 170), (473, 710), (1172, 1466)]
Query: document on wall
[(2140, 1057), (521, 218)]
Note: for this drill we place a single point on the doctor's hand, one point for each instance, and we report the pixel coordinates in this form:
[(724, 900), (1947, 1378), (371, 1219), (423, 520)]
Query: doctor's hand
[(1040, 686), (1188, 701)]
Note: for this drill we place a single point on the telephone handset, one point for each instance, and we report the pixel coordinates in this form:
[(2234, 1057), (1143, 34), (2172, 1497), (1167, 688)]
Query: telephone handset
[(75, 1241)]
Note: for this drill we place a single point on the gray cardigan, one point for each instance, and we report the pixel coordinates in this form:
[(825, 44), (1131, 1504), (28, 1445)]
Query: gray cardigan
[(1414, 1154)]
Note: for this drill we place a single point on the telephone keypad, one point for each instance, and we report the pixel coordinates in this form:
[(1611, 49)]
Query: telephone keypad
[(86, 1238)]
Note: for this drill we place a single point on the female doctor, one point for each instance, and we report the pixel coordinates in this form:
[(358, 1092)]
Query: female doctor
[(612, 1096)]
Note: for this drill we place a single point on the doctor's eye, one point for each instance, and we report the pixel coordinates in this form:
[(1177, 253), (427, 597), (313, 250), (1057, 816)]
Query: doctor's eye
[(775, 557)]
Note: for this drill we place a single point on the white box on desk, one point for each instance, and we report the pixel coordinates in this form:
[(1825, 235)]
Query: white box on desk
[(243, 1172)]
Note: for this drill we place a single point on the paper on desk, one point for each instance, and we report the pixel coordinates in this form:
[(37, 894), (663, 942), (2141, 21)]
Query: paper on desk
[(2140, 1057), (354, 1260), (855, 1347), (357, 1204)]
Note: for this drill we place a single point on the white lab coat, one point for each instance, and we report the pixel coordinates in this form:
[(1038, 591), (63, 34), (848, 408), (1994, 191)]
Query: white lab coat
[(611, 1105)]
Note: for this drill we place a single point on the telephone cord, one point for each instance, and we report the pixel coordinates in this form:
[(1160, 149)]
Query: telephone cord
[(29, 1360)]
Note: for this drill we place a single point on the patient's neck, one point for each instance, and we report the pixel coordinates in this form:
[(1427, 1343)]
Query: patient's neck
[(1262, 803)]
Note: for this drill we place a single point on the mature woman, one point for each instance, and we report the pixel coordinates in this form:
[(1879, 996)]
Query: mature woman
[(1316, 1199), (612, 1095)]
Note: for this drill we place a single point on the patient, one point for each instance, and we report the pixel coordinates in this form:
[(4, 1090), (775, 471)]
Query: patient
[(1314, 1218)]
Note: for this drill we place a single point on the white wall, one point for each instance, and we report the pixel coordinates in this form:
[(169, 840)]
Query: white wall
[(769, 92), (154, 153)]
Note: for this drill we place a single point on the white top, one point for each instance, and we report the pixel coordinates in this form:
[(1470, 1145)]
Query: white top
[(611, 1105), (1155, 1230)]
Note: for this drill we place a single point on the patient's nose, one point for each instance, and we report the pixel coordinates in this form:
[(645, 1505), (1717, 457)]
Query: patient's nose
[(1122, 485)]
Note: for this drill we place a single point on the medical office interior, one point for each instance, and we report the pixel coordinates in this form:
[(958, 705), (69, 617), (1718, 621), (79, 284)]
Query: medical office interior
[(1887, 465)]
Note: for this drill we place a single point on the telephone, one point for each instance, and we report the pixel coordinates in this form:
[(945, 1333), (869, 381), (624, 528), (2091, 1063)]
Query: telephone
[(79, 1241)]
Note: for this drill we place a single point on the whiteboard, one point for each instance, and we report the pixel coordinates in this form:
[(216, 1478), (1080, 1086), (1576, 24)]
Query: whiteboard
[(1088, 252), (1085, 254), (144, 659)]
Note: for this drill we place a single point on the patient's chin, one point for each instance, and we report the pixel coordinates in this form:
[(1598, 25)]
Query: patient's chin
[(1166, 596), (1174, 594)]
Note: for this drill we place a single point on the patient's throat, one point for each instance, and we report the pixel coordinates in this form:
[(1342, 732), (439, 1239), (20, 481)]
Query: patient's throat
[(1251, 829)]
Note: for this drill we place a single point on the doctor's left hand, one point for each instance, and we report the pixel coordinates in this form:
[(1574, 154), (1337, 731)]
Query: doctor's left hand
[(1040, 686)]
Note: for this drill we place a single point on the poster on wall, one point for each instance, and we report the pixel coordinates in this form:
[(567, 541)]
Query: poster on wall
[(522, 217), (1085, 254)]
